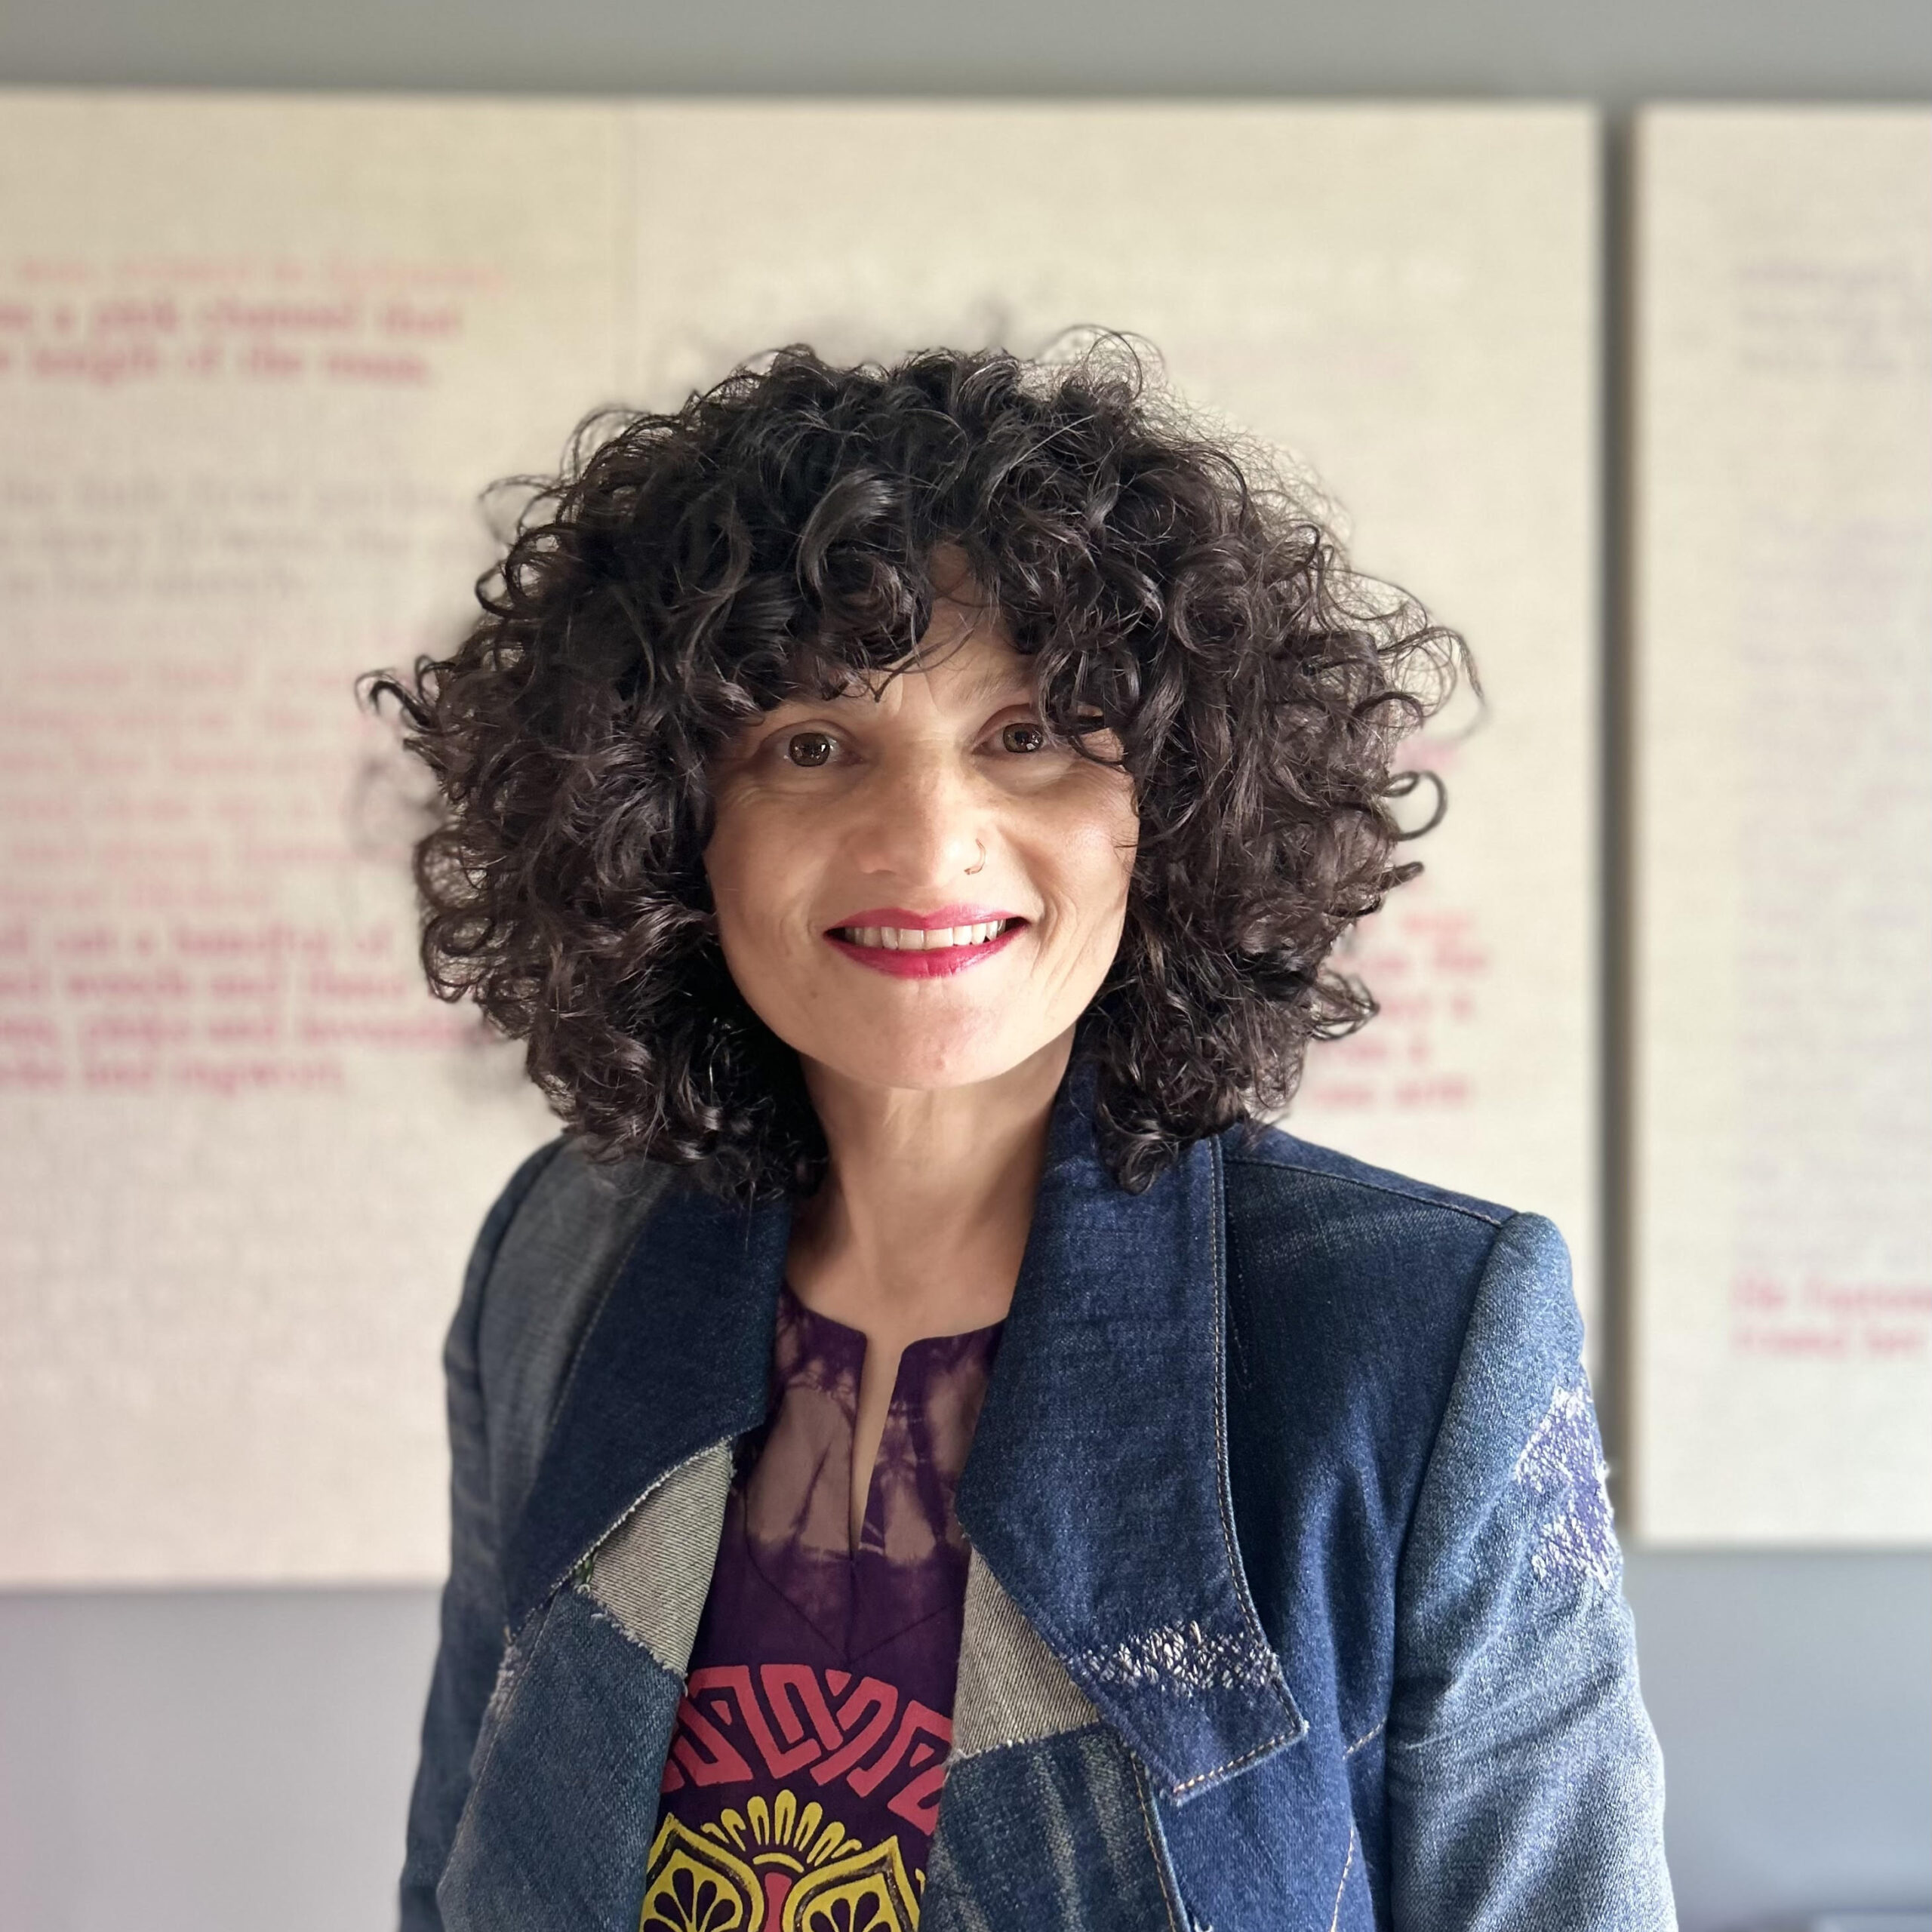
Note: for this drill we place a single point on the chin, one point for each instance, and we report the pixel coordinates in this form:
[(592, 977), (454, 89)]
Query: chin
[(926, 1067)]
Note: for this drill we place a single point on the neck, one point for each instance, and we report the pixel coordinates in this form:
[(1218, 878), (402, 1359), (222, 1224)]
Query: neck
[(922, 1224)]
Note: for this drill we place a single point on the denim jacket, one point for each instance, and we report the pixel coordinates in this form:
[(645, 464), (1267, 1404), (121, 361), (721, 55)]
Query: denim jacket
[(1292, 1602)]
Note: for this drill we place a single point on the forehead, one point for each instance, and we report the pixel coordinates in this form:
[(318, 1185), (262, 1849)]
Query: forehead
[(965, 658)]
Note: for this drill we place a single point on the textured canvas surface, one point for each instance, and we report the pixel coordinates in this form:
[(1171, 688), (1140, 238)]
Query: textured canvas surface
[(1783, 1390), (260, 354)]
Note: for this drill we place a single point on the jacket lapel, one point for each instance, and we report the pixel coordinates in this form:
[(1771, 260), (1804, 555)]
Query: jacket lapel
[(677, 1359), (1096, 1490)]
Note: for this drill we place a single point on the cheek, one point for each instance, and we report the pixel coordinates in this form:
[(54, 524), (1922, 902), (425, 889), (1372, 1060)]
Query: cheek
[(1091, 851), (735, 856), (733, 862)]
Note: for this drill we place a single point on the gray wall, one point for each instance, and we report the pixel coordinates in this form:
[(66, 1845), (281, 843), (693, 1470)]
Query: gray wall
[(220, 1760), (1634, 49)]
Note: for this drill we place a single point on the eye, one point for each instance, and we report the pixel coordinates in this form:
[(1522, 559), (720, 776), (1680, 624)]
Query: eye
[(1024, 734), (809, 750)]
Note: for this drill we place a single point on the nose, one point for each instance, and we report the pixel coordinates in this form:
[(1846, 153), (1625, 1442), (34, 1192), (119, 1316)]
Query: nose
[(919, 821)]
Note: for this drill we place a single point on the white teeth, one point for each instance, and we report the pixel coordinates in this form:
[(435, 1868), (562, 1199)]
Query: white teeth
[(904, 939)]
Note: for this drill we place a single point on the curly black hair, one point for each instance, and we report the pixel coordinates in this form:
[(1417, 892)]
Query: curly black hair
[(776, 535)]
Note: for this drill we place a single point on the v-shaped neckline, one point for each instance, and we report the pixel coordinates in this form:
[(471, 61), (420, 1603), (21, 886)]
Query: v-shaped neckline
[(915, 1357), (795, 1497)]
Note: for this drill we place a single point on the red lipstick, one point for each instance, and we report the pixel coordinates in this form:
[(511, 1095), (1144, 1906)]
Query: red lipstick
[(924, 964)]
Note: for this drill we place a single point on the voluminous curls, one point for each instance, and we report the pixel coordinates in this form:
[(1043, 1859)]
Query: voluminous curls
[(773, 535)]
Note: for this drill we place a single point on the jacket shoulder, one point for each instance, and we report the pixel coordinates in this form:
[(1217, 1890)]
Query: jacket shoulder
[(564, 1225), (1361, 1251), (1351, 1290), (1274, 1163), (1371, 1274)]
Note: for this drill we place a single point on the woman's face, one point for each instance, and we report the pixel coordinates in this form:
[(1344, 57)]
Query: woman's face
[(851, 835)]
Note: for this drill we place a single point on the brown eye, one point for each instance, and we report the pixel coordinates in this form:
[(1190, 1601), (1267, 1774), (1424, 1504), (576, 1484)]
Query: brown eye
[(808, 748), (1031, 737)]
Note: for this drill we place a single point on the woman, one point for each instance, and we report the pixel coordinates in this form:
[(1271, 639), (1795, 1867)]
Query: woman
[(924, 1453)]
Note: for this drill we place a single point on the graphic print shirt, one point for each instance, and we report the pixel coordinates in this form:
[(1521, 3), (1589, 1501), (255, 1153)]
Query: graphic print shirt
[(803, 1781)]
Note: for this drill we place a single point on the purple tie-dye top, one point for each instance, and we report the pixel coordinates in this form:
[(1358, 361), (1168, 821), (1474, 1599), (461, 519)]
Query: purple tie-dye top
[(804, 1776)]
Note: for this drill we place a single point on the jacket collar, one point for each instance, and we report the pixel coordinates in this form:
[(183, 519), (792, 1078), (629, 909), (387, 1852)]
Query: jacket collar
[(1097, 1487)]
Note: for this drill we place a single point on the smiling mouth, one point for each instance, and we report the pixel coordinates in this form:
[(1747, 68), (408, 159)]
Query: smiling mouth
[(941, 939), (905, 953)]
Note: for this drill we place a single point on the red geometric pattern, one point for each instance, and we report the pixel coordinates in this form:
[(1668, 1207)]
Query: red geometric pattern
[(798, 1723)]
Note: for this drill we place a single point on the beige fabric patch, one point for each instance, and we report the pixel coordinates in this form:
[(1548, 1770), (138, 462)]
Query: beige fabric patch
[(1011, 1689), (653, 1572)]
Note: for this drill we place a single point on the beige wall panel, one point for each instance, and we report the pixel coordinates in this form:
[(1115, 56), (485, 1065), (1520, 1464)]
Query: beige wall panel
[(1783, 1330), (1405, 297), (257, 357)]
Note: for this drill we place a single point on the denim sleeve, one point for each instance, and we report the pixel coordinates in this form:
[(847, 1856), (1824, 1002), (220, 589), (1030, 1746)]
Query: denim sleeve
[(473, 1612), (1525, 1786)]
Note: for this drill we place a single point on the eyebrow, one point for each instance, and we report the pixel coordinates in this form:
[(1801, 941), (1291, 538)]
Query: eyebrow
[(995, 679), (1000, 677)]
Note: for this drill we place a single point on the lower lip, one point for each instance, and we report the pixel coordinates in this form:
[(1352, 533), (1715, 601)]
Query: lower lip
[(925, 965)]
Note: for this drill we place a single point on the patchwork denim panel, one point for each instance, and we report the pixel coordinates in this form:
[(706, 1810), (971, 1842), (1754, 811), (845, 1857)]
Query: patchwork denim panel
[(1524, 1779), (653, 1572), (1051, 1836), (1010, 1689), (557, 1831), (559, 1258)]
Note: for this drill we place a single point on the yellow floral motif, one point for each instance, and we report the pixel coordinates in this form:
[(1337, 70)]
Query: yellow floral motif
[(781, 1834), (865, 1891), (692, 1885), (799, 1877)]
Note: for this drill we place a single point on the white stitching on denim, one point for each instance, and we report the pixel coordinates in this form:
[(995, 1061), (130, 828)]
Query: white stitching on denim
[(1231, 1548), (1181, 1657), (1261, 1750), (1153, 1847), (1419, 1198), (1366, 1737), (1348, 1866), (1142, 1659), (1561, 1459)]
